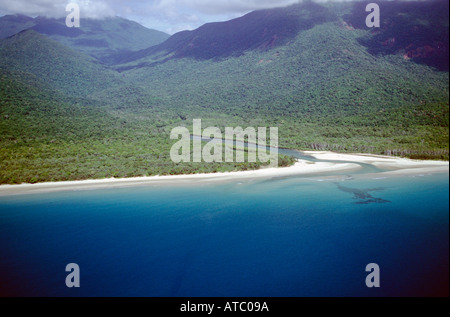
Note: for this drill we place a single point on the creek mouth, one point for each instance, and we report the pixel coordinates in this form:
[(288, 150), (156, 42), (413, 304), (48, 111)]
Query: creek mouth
[(365, 167)]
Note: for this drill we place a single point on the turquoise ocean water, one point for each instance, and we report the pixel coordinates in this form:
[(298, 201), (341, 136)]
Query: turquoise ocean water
[(290, 237)]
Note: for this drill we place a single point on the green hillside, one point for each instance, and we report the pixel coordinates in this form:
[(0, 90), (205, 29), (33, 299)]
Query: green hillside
[(104, 39), (62, 68), (45, 136), (13, 24)]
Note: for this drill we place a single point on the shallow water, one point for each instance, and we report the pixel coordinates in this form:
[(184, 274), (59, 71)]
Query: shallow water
[(297, 236)]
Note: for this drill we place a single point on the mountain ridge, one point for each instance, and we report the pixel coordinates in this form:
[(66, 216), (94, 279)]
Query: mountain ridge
[(102, 39), (404, 31), (261, 29)]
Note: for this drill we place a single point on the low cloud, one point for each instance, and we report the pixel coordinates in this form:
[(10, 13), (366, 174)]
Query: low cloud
[(165, 9), (225, 6), (95, 9), (172, 16), (166, 15)]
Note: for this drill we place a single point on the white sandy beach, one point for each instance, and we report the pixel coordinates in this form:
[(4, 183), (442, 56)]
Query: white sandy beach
[(393, 166)]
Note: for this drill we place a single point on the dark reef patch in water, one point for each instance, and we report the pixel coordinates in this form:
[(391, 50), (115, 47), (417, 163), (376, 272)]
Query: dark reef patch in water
[(363, 195)]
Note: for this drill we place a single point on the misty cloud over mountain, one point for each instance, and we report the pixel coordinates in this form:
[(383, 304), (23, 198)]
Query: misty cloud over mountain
[(169, 16)]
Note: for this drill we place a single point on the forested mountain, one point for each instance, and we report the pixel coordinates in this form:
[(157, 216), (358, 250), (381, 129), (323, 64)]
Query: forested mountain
[(327, 87), (103, 39), (418, 30), (264, 29), (71, 72), (315, 71)]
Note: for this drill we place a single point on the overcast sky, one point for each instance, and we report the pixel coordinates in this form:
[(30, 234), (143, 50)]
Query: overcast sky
[(169, 16)]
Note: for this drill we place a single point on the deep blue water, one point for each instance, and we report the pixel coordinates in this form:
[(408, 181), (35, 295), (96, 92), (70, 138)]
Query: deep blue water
[(281, 237)]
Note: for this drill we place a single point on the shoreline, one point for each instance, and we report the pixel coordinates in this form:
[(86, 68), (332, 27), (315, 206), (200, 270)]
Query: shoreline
[(342, 163)]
